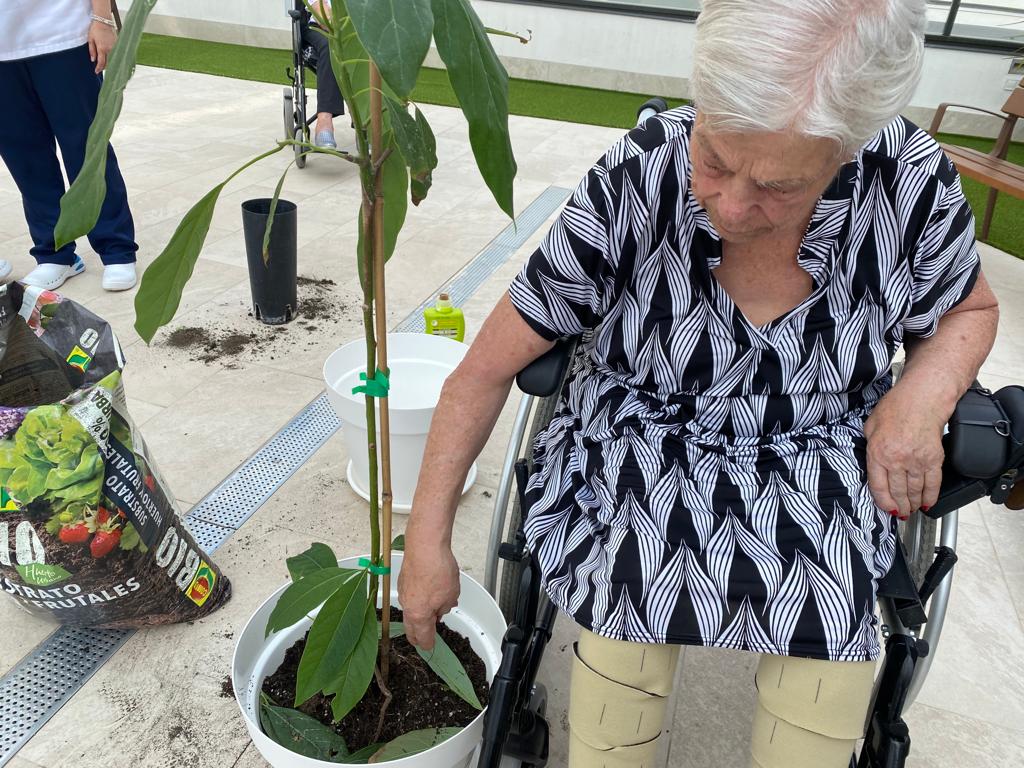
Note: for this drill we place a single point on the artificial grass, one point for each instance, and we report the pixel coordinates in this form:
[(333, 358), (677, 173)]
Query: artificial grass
[(592, 106)]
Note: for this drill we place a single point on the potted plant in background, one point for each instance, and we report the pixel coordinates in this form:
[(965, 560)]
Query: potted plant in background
[(377, 49)]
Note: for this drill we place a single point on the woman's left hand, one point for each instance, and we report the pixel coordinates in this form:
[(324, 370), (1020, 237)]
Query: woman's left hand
[(102, 38), (904, 453)]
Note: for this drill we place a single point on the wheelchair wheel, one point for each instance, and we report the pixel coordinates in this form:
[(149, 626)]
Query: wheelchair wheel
[(300, 158), (511, 572)]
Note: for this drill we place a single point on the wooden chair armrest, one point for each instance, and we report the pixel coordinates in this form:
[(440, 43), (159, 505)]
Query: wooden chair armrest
[(940, 112)]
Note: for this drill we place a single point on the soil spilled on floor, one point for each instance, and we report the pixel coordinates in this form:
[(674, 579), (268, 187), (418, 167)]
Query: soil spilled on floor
[(319, 306)]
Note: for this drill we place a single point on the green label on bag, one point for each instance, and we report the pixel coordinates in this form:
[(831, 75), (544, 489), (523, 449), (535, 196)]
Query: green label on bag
[(41, 574)]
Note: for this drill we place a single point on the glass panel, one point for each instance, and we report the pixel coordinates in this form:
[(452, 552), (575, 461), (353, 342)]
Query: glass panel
[(996, 20)]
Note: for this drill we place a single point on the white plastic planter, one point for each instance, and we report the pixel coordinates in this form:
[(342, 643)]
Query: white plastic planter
[(477, 617), (419, 364)]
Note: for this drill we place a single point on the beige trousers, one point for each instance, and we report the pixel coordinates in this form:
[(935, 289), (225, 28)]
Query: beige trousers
[(809, 712)]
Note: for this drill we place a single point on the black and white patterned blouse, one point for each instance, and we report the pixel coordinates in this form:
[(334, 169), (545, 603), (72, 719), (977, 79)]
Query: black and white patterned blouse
[(703, 481)]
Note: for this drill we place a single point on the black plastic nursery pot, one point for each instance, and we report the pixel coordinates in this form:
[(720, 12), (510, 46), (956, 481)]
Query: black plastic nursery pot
[(272, 281)]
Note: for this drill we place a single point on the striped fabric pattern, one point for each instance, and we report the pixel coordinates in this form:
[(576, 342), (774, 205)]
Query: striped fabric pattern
[(703, 479)]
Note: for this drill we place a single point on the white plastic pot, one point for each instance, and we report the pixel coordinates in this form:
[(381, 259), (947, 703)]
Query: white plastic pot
[(419, 364), (477, 617)]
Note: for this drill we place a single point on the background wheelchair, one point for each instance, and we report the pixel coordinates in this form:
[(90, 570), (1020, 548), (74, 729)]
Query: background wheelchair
[(984, 450), (296, 114)]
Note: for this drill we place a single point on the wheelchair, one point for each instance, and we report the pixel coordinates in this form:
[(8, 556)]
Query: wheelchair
[(296, 117), (984, 450)]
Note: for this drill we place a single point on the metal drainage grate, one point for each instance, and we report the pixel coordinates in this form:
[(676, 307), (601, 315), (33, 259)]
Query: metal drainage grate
[(232, 502), (42, 682), (46, 679)]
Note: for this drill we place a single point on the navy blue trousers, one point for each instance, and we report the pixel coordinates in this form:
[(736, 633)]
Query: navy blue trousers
[(51, 100)]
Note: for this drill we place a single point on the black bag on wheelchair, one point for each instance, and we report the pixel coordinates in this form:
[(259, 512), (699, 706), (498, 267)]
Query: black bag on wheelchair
[(984, 448)]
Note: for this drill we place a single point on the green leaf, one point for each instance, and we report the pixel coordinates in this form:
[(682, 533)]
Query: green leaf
[(306, 594), (395, 629), (317, 557), (363, 755), (416, 142), (398, 545), (41, 574), (396, 204), (130, 538), (480, 83), (413, 743), (80, 206), (357, 671), (350, 63), (162, 283), (447, 666), (271, 212), (396, 33), (335, 632), (301, 733)]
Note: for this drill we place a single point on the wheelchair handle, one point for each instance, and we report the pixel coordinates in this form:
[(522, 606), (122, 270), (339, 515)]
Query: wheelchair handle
[(649, 109)]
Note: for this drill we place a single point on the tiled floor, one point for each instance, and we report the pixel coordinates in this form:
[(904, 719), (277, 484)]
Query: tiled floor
[(157, 702)]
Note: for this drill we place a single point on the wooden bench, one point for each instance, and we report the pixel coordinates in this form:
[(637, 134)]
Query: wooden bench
[(991, 169)]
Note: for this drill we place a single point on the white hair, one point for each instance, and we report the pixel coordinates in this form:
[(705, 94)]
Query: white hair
[(838, 69)]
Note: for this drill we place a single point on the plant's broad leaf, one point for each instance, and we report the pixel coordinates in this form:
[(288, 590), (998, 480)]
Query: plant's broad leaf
[(351, 63), (396, 34), (335, 633), (270, 214), (447, 666), (363, 756), (413, 743), (303, 734), (480, 83), (357, 671), (317, 557), (80, 206), (308, 593), (420, 182), (395, 629), (396, 205), (162, 283), (398, 544), (415, 140)]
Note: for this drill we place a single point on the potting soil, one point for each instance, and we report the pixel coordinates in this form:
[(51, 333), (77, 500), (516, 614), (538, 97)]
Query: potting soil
[(420, 698), (88, 532)]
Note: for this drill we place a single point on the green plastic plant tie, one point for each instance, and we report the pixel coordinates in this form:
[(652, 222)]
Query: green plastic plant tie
[(377, 386), (377, 570)]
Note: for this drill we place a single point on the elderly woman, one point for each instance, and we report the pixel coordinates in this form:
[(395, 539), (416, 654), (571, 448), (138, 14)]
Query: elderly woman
[(731, 455)]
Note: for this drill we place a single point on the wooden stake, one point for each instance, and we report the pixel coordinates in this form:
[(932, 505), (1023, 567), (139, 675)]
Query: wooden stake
[(380, 307)]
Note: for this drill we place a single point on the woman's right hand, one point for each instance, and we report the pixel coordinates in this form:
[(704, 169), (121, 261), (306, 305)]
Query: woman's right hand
[(428, 587)]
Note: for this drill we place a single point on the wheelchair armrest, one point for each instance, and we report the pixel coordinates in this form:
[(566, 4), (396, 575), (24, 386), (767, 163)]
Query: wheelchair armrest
[(984, 444), (544, 376)]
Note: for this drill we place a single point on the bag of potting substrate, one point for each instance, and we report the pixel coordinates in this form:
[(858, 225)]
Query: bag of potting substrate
[(88, 533)]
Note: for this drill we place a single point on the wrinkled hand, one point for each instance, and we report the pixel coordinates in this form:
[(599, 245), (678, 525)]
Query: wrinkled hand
[(428, 587), (102, 38), (904, 453)]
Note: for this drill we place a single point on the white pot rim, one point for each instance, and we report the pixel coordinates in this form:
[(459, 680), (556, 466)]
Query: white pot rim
[(491, 630)]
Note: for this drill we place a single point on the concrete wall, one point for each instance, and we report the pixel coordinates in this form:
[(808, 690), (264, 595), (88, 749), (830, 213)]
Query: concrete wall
[(601, 50)]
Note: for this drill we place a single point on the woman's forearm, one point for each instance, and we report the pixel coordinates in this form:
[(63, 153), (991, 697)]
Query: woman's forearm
[(102, 8), (462, 422)]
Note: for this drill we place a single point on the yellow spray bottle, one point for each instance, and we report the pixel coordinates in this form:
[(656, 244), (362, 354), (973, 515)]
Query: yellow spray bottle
[(444, 320)]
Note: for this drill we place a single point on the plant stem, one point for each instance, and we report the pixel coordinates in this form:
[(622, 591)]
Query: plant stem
[(383, 707), (378, 154)]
